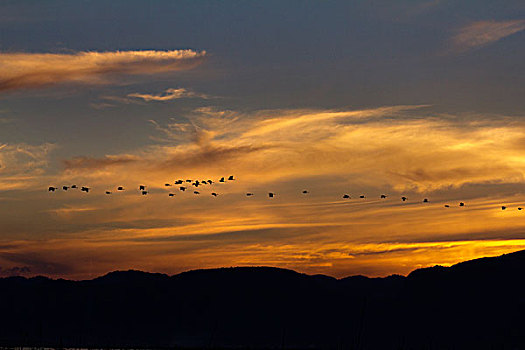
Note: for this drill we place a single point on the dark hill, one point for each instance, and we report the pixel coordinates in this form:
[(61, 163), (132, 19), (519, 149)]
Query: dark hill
[(479, 304)]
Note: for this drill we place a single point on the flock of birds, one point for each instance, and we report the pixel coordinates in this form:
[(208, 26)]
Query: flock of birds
[(197, 183)]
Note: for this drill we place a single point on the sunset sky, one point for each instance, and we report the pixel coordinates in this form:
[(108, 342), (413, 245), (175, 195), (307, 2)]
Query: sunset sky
[(423, 99)]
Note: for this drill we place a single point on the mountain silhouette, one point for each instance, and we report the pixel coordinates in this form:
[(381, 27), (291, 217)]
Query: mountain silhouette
[(478, 304)]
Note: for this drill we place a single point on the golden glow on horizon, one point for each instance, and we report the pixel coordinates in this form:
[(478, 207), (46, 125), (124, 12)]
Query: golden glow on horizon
[(385, 150)]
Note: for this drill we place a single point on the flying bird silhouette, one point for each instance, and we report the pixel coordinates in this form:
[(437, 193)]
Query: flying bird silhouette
[(65, 188), (346, 196), (210, 182), (271, 195), (182, 188), (196, 192), (85, 189), (404, 199), (178, 182), (425, 200), (383, 196), (108, 192), (447, 206), (167, 185), (461, 204), (305, 192), (142, 188), (74, 186), (120, 188), (503, 207), (51, 189), (249, 194), (214, 194), (144, 192), (171, 194), (361, 196), (221, 180), (520, 208), (189, 180), (231, 178)]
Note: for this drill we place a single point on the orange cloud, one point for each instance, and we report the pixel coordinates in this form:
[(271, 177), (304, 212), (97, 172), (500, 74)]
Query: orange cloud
[(33, 70), (483, 33)]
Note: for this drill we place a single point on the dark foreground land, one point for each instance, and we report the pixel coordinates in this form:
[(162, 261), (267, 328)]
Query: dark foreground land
[(479, 304)]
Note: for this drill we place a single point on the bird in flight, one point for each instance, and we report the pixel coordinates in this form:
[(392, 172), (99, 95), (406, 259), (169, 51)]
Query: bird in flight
[(196, 192), (404, 199), (144, 192), (346, 196), (461, 204), (271, 195), (108, 192), (84, 189), (231, 178), (74, 186), (503, 207), (120, 188), (222, 179), (51, 189), (214, 194), (425, 200), (362, 196), (171, 194), (520, 208), (305, 192), (383, 196), (249, 194), (142, 188), (178, 182), (447, 206), (65, 188), (182, 188), (167, 185)]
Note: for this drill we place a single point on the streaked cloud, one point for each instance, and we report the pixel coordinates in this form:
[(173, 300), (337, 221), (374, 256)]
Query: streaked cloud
[(169, 94), (35, 70), (484, 33), (22, 164)]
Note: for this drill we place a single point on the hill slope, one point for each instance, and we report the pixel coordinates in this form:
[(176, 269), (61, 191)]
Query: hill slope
[(477, 304)]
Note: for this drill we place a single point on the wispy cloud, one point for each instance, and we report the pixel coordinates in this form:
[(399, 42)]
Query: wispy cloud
[(169, 94), (34, 70), (21, 164), (484, 33)]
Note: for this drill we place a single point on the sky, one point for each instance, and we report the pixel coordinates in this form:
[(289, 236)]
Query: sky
[(421, 99)]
